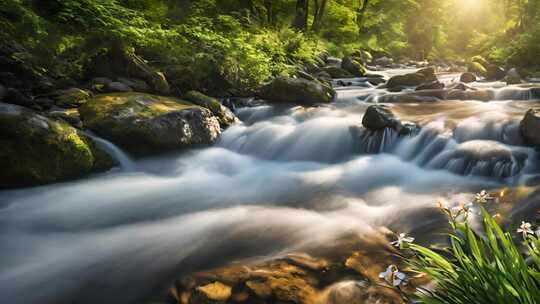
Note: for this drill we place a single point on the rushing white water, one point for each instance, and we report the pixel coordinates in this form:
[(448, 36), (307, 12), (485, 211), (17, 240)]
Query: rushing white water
[(287, 178)]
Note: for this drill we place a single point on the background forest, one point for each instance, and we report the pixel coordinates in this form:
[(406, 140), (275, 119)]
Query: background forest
[(216, 45)]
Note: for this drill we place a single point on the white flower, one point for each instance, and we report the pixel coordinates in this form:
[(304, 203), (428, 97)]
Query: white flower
[(483, 197), (525, 228), (393, 276), (462, 208), (402, 240)]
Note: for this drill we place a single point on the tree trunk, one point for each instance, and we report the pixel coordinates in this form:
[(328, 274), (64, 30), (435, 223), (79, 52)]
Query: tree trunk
[(361, 14), (302, 11), (318, 18), (270, 17)]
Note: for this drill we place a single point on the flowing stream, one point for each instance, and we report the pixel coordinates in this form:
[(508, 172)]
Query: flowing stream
[(284, 179)]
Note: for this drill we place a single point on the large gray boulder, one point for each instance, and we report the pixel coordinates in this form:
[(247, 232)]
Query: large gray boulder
[(144, 123), (297, 90), (38, 150)]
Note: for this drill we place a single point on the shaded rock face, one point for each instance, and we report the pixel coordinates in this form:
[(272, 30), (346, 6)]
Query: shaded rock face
[(225, 117), (530, 127), (513, 77), (145, 123), (297, 90), (494, 72), (38, 150), (467, 77)]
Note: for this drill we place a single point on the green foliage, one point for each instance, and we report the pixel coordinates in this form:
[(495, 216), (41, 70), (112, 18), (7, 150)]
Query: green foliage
[(480, 269)]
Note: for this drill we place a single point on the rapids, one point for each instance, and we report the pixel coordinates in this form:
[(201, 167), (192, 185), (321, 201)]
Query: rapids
[(285, 179)]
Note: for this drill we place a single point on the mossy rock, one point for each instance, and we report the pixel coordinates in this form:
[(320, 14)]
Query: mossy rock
[(37, 150), (481, 60), (297, 90), (71, 98), (225, 117), (407, 80), (145, 123), (477, 68), (353, 65), (336, 72)]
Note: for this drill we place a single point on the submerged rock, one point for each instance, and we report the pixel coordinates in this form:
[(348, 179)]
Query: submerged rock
[(213, 292), (144, 123), (225, 117), (297, 90), (530, 127), (38, 150)]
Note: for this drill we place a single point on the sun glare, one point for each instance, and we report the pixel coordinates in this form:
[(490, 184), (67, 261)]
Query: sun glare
[(470, 4)]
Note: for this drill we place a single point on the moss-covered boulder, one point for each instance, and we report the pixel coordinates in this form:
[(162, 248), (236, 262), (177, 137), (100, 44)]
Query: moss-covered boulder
[(225, 117), (297, 90), (407, 80), (353, 65), (38, 150), (477, 68), (337, 72), (144, 123)]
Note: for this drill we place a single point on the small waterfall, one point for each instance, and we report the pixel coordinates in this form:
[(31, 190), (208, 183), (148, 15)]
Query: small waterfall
[(124, 160)]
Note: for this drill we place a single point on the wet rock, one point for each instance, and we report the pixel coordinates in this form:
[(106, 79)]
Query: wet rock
[(407, 80), (145, 123), (337, 72), (434, 85), (379, 117), (117, 87), (297, 90), (225, 117), (467, 77), (530, 127), (216, 292), (376, 80), (513, 77), (38, 150), (353, 65), (71, 98), (494, 72), (359, 292)]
